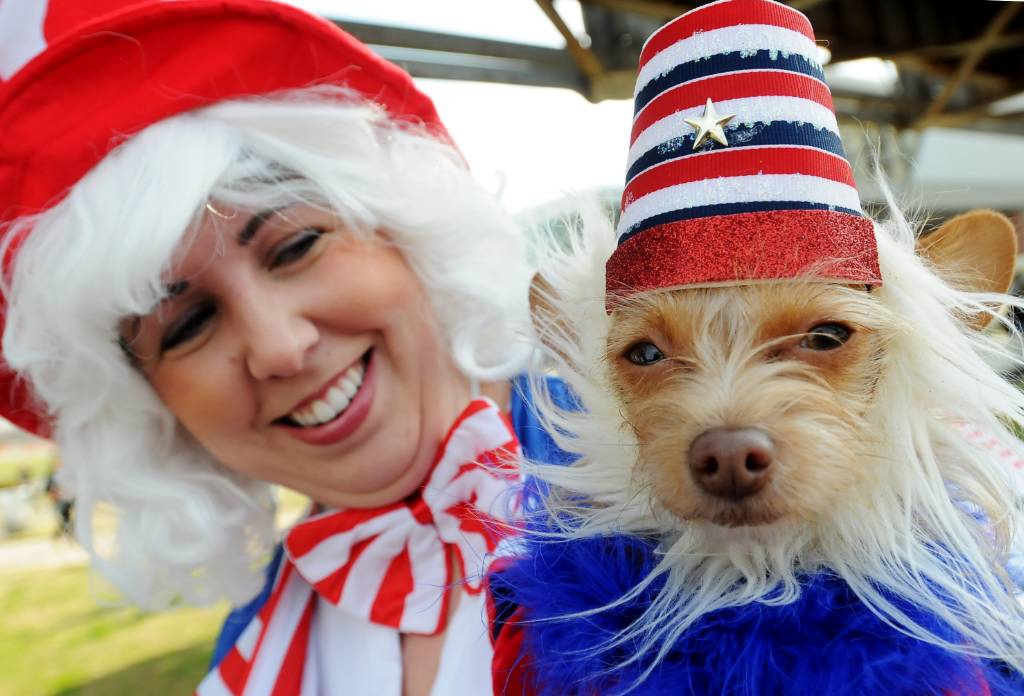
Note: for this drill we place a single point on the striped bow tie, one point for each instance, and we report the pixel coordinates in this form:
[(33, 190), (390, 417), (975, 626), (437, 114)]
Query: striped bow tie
[(391, 565)]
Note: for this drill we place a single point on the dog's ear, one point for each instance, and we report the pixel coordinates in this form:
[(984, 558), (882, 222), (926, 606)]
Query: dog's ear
[(547, 320), (974, 252)]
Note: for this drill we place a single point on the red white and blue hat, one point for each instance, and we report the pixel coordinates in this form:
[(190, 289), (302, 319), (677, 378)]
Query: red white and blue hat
[(736, 172)]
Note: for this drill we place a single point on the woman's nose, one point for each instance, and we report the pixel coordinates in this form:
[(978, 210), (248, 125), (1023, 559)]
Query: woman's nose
[(277, 339)]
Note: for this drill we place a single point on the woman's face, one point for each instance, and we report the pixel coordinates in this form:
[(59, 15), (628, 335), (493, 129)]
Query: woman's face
[(298, 355)]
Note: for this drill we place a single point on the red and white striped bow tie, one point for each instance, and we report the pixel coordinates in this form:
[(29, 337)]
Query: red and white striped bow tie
[(390, 565)]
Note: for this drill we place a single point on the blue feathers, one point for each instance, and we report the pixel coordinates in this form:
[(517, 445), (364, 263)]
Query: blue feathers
[(825, 643)]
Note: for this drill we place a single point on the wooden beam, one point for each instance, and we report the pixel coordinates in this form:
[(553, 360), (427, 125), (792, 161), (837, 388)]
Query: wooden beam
[(979, 112), (648, 8), (970, 62), (987, 82), (584, 58), (953, 50)]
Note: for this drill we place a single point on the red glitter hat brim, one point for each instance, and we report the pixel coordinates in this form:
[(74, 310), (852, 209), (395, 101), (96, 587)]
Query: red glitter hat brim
[(746, 247)]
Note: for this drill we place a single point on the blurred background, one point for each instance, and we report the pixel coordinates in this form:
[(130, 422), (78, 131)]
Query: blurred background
[(537, 93)]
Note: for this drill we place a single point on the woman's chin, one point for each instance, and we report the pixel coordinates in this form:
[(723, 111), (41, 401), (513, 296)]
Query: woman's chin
[(382, 486)]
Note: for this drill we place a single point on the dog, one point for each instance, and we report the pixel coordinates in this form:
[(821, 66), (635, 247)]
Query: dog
[(773, 492)]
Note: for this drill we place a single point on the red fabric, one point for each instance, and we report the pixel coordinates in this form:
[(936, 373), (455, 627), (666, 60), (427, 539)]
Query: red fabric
[(110, 78), (510, 667), (289, 680), (745, 247), (725, 14), (63, 16), (388, 608)]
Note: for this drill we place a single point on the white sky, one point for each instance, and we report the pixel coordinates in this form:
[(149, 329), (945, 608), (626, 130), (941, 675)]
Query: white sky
[(531, 144)]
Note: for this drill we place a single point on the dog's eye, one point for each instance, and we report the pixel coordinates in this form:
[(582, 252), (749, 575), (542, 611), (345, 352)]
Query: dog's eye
[(644, 353), (827, 336)]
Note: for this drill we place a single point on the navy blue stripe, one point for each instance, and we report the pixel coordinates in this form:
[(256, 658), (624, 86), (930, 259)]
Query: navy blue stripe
[(723, 63), (777, 133), (727, 209)]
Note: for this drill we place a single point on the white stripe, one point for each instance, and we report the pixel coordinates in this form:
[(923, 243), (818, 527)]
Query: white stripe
[(481, 432), (749, 112), (213, 685), (423, 605), (281, 631), (333, 552), (247, 641), (739, 189), (745, 37), (21, 33)]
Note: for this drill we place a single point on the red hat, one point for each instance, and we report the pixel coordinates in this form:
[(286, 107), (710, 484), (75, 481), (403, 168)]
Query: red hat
[(736, 172), (135, 63)]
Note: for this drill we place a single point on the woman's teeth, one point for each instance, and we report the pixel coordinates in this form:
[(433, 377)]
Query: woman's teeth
[(337, 399)]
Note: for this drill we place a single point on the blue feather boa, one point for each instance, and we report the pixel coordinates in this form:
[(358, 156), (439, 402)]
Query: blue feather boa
[(825, 643)]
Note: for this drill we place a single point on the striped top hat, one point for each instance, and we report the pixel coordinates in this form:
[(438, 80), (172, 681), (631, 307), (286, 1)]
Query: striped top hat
[(736, 172)]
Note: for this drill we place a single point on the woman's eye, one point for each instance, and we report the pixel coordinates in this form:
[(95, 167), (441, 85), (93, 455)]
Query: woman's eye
[(644, 353), (188, 327), (295, 248), (828, 336)]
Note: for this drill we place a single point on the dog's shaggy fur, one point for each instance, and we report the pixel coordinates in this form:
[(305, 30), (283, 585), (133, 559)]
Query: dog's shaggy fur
[(871, 482)]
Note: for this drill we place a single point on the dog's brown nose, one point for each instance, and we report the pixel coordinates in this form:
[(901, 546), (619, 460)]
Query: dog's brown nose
[(732, 463)]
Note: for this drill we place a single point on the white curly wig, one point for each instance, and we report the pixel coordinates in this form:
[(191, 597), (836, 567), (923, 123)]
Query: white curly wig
[(188, 529)]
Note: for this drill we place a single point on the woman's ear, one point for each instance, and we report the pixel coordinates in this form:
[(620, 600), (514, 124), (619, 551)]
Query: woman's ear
[(973, 252)]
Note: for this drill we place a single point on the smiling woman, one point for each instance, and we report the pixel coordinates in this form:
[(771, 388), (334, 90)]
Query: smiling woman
[(291, 278)]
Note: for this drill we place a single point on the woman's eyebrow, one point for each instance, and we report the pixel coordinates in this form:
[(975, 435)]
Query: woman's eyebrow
[(252, 227)]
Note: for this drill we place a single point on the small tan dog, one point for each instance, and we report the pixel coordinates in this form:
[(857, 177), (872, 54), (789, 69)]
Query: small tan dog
[(772, 492), (766, 433)]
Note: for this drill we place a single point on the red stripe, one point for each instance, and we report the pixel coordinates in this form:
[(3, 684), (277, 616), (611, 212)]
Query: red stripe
[(723, 15), (389, 604), (306, 535), (503, 458), (486, 528), (472, 521), (719, 88), (511, 670), (333, 585), (234, 670), (747, 246), (289, 678), (740, 162), (421, 512), (475, 407)]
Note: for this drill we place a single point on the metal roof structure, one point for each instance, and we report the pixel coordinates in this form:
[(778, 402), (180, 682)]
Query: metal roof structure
[(958, 62)]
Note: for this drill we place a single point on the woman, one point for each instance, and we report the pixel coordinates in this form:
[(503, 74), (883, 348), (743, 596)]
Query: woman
[(241, 250)]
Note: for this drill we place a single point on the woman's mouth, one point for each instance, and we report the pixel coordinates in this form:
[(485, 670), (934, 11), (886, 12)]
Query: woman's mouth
[(338, 410), (335, 401)]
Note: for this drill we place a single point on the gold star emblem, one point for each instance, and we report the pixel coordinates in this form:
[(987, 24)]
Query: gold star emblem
[(710, 125)]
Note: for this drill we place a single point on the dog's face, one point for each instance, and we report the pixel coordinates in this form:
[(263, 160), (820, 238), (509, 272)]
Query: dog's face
[(749, 402)]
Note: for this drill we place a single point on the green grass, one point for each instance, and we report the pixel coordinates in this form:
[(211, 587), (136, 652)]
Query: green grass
[(56, 639), (36, 462)]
